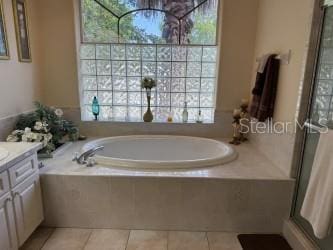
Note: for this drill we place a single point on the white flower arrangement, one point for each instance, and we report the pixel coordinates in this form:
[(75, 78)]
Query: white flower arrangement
[(27, 135), (41, 126), (45, 125), (59, 112)]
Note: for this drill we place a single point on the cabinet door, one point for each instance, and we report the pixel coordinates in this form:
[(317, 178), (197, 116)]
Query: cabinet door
[(4, 183), (28, 207), (8, 239)]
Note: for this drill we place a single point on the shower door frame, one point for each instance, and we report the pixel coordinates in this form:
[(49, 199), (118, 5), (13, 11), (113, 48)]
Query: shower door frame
[(306, 99)]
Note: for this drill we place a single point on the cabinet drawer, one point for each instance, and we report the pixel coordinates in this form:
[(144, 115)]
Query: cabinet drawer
[(4, 183), (21, 170)]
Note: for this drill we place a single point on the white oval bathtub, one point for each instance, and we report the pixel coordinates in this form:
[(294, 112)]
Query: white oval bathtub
[(161, 152)]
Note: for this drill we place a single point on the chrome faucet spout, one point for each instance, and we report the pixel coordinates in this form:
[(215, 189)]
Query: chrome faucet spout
[(83, 158)]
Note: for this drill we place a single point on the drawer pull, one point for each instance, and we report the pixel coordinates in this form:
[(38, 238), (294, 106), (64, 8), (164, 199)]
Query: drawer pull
[(9, 199), (16, 194)]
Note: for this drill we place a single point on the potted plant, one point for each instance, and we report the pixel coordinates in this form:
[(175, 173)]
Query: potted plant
[(148, 83)]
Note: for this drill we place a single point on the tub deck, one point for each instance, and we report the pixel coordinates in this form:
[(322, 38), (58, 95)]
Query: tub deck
[(250, 164), (249, 194)]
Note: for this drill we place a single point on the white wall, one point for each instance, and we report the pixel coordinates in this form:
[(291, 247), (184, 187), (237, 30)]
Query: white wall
[(19, 82), (285, 25)]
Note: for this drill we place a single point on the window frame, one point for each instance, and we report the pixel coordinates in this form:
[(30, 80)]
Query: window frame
[(217, 32), (80, 42)]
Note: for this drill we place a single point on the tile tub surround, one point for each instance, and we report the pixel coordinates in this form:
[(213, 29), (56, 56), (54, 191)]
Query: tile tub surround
[(6, 126), (248, 195), (278, 148), (220, 128)]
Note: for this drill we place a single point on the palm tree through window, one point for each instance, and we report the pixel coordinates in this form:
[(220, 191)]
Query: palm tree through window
[(173, 41)]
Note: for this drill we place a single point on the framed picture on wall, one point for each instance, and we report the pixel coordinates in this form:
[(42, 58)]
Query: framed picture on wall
[(4, 50), (22, 30)]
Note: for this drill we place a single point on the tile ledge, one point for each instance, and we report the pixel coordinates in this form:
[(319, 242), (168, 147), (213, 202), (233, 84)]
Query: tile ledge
[(296, 237)]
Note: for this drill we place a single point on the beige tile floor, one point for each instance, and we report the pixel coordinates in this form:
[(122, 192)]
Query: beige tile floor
[(109, 239)]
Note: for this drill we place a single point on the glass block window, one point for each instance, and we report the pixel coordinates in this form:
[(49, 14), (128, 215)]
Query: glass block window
[(172, 42), (322, 106)]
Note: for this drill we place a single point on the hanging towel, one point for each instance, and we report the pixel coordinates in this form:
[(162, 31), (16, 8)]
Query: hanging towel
[(317, 207), (262, 63), (264, 92)]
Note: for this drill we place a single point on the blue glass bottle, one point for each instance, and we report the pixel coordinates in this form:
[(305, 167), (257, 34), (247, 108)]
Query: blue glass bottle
[(95, 108)]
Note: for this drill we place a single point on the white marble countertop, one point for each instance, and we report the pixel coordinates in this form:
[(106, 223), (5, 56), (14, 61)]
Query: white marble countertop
[(17, 151), (251, 164)]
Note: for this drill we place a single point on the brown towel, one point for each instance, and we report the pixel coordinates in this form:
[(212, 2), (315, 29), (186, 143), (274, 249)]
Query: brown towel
[(264, 92)]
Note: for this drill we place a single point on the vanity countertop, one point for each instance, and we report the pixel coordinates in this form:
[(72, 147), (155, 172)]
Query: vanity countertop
[(16, 151)]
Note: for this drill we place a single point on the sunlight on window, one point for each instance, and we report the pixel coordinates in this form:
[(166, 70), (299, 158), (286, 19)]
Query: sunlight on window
[(174, 43)]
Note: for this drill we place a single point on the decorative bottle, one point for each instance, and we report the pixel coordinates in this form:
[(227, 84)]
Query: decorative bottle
[(170, 119), (185, 113), (95, 108)]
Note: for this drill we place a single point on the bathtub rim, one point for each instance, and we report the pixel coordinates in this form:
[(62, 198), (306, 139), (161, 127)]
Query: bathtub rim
[(121, 163)]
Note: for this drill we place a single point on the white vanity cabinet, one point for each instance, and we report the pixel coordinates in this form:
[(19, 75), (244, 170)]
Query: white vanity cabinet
[(8, 237), (28, 207), (21, 208)]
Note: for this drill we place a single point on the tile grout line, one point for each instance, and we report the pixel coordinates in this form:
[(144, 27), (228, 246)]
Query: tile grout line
[(168, 235), (48, 237), (206, 235), (129, 233), (88, 238)]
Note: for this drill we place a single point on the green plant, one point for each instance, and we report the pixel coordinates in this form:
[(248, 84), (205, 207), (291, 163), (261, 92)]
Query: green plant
[(45, 125), (148, 83)]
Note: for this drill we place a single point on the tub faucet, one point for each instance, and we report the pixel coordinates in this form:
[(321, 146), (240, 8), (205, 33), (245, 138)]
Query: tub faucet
[(83, 158)]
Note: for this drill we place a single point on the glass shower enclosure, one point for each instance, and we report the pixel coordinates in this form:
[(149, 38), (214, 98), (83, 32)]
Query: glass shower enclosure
[(320, 113)]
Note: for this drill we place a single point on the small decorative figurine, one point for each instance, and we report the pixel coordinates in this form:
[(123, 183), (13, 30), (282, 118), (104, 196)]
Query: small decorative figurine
[(244, 120), (148, 83), (95, 108), (199, 117), (170, 119), (236, 127)]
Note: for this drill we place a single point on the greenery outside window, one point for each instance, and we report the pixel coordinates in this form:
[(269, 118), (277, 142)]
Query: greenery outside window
[(172, 41)]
